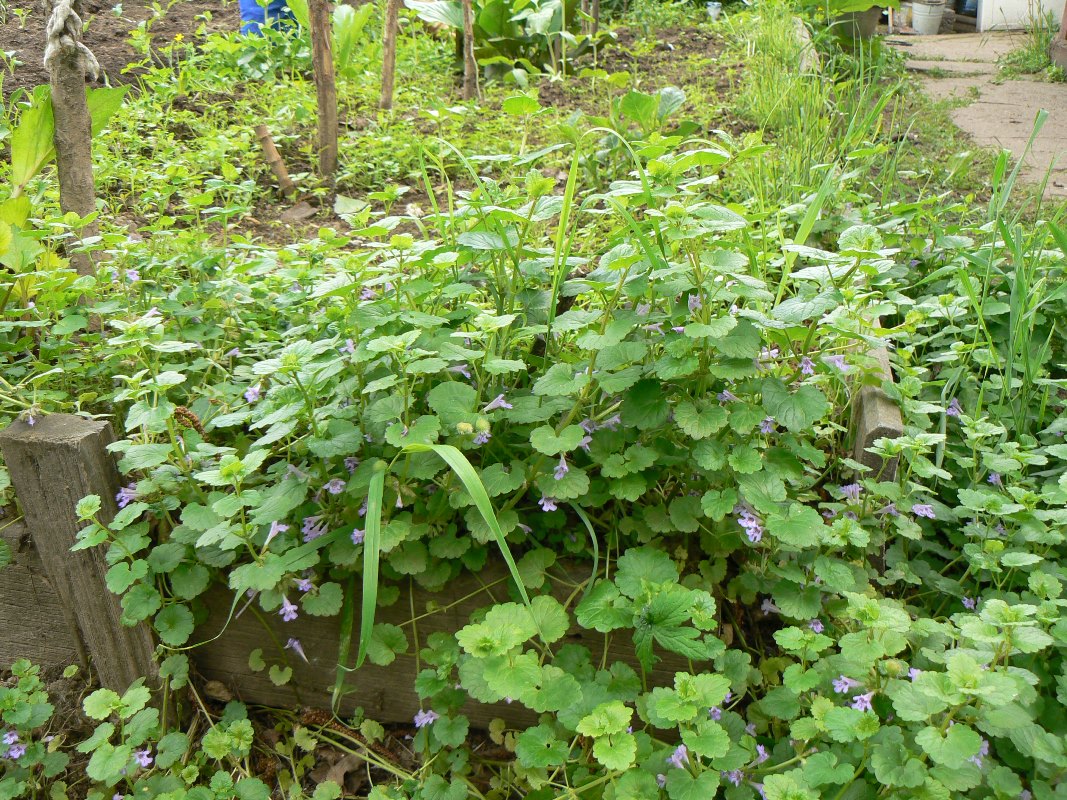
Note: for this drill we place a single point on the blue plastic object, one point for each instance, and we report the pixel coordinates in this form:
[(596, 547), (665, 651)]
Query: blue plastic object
[(255, 15)]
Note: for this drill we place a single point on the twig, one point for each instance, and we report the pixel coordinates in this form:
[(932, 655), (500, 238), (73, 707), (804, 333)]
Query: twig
[(274, 160)]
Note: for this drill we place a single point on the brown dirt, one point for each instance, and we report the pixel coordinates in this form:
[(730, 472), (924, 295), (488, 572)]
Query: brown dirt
[(106, 34)]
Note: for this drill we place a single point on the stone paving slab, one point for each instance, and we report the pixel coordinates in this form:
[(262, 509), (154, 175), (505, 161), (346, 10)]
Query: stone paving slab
[(997, 115)]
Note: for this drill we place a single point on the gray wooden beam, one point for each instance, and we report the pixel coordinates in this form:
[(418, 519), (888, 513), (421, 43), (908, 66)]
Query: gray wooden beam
[(53, 465)]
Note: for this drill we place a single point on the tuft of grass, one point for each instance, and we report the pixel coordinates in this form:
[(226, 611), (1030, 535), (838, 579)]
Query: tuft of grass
[(1032, 59)]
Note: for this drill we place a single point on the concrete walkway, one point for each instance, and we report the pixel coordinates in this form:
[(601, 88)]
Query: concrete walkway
[(963, 67)]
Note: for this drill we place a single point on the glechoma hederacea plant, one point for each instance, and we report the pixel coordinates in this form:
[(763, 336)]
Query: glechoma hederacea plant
[(636, 400)]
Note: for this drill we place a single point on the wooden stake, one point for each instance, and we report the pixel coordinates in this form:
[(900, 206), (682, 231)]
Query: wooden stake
[(1058, 46), (73, 128), (325, 85), (392, 24), (596, 17), (54, 464), (274, 160), (470, 64)]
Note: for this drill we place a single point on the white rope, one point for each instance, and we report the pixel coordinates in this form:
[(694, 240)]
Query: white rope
[(64, 33)]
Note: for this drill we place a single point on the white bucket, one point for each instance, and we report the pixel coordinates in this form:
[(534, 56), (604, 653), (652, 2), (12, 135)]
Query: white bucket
[(926, 17)]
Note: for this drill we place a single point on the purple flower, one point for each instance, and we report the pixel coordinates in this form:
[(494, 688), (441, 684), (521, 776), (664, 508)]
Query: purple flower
[(923, 510), (367, 293), (313, 527), (767, 426), (643, 309), (482, 438), (296, 647), (587, 425), (611, 423), (983, 751), (816, 625), (845, 684), (838, 362), (288, 610), (351, 464), (954, 409), (336, 486), (748, 520), (761, 754), (862, 702), (547, 503), (750, 729), (461, 369), (561, 468), (252, 394), (350, 347), (363, 509), (694, 303), (970, 603), (30, 420), (275, 528), (126, 495), (357, 536), (233, 353), (807, 366), (768, 607), (680, 757), (16, 751), (495, 403), (661, 780), (144, 757), (889, 509), (735, 776), (852, 491), (655, 327), (424, 718), (715, 713), (585, 442), (726, 396), (305, 585), (118, 796), (995, 479), (914, 673), (11, 737)]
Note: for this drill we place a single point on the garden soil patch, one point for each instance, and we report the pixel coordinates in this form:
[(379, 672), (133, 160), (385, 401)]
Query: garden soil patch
[(107, 35)]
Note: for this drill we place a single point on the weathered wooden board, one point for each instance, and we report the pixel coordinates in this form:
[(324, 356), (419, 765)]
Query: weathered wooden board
[(875, 417), (35, 623), (385, 693)]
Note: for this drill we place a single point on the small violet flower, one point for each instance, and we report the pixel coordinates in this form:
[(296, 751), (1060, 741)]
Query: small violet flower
[(680, 757), (350, 347), (768, 425), (288, 610), (816, 625), (954, 408), (735, 776), (461, 369), (252, 394), (275, 528), (838, 362), (726, 396), (336, 486), (357, 536), (313, 527), (845, 684), (16, 751), (495, 403), (715, 713), (914, 673), (351, 464), (983, 751), (547, 503), (661, 780), (482, 438), (296, 647), (970, 603), (144, 758), (11, 737), (852, 491), (807, 366), (424, 718), (768, 607), (752, 524), (862, 702), (126, 495), (923, 510), (561, 469), (995, 479), (761, 754), (694, 303)]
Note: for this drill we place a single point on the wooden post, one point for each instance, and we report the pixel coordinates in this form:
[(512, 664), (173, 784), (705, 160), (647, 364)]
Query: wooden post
[(67, 61), (325, 85), (596, 17), (875, 417), (470, 64), (274, 160), (53, 465), (1058, 48), (392, 23)]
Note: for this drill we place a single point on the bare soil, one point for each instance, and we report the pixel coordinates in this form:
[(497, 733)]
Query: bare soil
[(107, 28)]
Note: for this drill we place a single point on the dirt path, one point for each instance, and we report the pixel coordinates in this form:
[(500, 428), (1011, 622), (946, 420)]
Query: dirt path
[(107, 33), (963, 68)]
